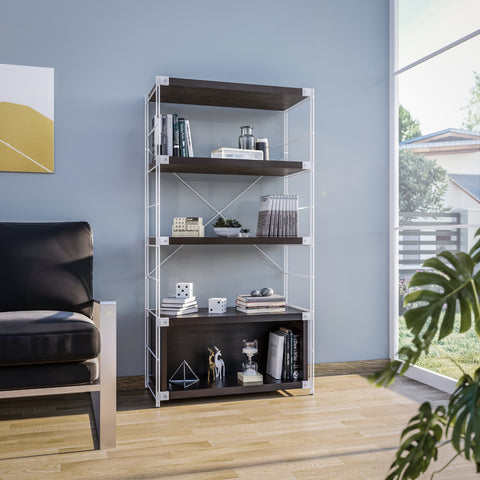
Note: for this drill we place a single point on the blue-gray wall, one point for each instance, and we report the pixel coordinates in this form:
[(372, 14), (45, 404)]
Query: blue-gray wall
[(106, 54)]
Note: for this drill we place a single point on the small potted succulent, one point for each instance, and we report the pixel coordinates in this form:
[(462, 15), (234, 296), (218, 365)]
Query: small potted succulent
[(226, 228)]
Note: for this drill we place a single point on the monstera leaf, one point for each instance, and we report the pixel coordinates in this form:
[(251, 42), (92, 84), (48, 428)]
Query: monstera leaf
[(450, 284), (419, 443), (464, 417), (450, 287)]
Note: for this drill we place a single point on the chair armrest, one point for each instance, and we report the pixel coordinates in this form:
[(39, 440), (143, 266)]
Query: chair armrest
[(105, 318)]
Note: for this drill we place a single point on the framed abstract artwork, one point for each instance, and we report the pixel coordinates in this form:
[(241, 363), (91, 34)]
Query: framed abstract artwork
[(26, 119)]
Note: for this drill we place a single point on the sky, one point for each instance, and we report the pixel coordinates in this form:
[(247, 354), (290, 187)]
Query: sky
[(436, 91)]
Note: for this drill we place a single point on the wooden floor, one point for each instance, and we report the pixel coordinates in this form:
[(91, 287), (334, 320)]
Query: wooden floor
[(348, 430)]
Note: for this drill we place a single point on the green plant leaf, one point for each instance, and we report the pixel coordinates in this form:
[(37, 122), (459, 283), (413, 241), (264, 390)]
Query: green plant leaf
[(419, 443), (464, 417)]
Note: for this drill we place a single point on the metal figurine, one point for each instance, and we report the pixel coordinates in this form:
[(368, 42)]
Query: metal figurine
[(219, 364)]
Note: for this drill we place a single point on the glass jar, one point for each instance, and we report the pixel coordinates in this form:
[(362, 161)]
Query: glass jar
[(246, 140)]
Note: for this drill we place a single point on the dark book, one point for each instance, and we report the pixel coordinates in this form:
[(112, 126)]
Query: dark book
[(289, 340), (163, 136), (182, 137), (296, 369), (176, 136)]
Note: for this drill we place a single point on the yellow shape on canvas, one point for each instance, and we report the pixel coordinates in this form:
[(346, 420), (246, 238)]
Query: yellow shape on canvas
[(26, 139)]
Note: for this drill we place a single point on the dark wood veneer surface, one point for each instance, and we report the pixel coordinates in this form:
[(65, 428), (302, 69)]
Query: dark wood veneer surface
[(229, 166), (226, 94)]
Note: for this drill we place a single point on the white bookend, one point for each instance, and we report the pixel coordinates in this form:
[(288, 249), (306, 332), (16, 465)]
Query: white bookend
[(188, 134), (275, 355)]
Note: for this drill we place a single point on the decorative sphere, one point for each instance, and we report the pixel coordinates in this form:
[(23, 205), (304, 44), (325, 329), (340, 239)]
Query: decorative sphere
[(266, 292), (255, 293)]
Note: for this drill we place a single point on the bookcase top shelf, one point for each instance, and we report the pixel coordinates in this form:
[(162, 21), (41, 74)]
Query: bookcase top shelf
[(228, 241), (226, 94), (228, 166)]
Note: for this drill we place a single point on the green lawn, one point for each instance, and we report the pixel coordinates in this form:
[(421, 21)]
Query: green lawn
[(463, 349)]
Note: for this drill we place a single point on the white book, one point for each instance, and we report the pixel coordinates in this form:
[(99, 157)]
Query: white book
[(264, 215), (260, 309), (174, 313), (173, 299), (273, 231), (169, 134), (176, 306), (157, 135), (295, 215), (275, 355), (188, 134)]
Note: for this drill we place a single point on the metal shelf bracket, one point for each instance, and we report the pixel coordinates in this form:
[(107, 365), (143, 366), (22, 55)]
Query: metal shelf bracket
[(164, 396), (306, 316), (162, 80)]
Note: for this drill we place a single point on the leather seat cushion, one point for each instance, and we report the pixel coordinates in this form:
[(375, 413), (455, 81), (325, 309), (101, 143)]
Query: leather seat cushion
[(47, 336), (48, 375)]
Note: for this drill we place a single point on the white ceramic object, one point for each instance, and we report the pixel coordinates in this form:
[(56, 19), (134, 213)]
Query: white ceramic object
[(226, 232)]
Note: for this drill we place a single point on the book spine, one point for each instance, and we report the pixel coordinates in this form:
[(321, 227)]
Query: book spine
[(295, 358), (163, 148), (273, 217), (264, 213), (182, 137), (176, 138), (295, 216), (188, 135), (169, 135), (157, 135)]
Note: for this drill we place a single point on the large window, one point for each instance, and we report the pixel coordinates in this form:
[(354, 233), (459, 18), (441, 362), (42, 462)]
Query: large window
[(435, 154)]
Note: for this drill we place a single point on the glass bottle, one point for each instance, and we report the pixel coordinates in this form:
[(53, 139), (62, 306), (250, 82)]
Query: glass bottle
[(246, 140)]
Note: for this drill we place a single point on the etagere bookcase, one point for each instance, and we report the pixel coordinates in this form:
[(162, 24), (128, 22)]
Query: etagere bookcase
[(168, 341)]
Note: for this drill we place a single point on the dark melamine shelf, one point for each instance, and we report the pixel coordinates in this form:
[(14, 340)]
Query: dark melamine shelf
[(202, 317), (226, 94), (229, 241), (229, 166), (229, 386)]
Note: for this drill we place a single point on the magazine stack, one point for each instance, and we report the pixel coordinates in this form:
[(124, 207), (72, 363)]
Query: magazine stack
[(271, 304), (278, 216), (174, 306)]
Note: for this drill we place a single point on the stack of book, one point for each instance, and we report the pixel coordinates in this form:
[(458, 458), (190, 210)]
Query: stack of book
[(278, 216), (172, 135), (271, 304), (284, 352), (174, 307)]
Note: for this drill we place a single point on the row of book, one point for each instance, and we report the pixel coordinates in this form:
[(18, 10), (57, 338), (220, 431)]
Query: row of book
[(278, 216), (172, 135), (283, 359), (174, 306), (271, 304)]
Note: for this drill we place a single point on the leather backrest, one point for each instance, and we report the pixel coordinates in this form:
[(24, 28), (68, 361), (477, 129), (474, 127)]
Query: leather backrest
[(46, 266)]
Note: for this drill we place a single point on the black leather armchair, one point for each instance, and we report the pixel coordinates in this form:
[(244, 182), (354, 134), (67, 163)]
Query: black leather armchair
[(54, 338)]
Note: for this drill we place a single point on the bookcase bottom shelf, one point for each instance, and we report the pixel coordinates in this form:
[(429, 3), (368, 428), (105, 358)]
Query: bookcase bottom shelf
[(228, 386)]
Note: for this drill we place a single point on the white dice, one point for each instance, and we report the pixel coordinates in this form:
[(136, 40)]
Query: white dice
[(184, 290), (217, 305)]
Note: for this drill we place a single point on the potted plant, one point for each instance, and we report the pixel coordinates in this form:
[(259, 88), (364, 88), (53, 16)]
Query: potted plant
[(451, 288), (226, 228)]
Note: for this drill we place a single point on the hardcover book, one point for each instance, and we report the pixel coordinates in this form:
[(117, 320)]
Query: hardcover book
[(275, 355)]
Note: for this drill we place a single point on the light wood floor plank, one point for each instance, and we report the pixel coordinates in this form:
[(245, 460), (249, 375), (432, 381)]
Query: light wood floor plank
[(348, 430)]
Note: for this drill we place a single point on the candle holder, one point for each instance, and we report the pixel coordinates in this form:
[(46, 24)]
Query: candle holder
[(249, 374)]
